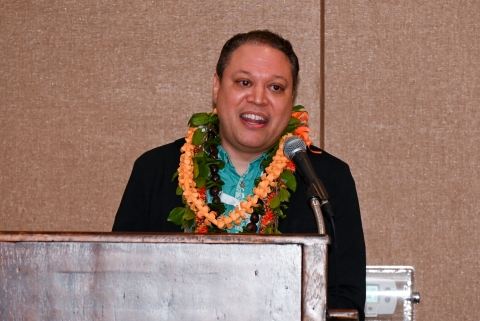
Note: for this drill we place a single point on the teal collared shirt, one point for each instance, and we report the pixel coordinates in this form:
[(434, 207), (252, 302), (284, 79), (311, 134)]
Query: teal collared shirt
[(237, 187)]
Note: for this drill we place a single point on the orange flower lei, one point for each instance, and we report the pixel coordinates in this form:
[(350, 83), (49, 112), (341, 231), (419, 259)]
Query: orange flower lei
[(198, 204), (195, 198)]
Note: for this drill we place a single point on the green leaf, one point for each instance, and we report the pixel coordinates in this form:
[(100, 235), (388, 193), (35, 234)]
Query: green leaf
[(176, 215), (270, 153), (218, 183), (289, 179), (188, 223), (200, 181), (268, 230), (203, 170), (213, 119), (210, 161), (198, 119), (213, 229), (199, 155), (259, 210), (179, 191), (275, 202), (212, 141), (294, 120), (189, 214), (198, 136), (264, 164), (174, 175), (277, 231), (298, 108), (292, 125), (217, 207), (284, 195), (279, 213), (221, 165), (195, 169), (245, 230)]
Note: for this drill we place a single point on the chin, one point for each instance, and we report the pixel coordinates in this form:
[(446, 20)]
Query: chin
[(255, 145), (255, 140)]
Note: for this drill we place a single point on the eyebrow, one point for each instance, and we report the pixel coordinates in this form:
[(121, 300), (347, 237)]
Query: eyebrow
[(248, 73)]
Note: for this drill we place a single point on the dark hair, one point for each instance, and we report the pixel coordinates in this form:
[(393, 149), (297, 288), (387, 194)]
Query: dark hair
[(258, 37)]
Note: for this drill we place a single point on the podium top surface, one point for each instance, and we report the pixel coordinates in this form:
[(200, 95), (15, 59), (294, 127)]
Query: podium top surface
[(114, 237)]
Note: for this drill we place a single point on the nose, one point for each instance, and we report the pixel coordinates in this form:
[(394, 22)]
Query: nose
[(258, 96)]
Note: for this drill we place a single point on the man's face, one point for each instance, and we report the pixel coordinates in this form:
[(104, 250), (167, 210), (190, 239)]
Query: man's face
[(254, 100)]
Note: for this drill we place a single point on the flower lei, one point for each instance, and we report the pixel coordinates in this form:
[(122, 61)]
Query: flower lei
[(197, 172)]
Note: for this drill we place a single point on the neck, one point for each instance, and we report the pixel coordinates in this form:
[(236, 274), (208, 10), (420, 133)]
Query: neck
[(240, 160)]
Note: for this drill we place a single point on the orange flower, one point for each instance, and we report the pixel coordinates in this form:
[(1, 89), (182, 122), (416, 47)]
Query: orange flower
[(290, 166), (269, 198), (301, 115), (201, 229), (202, 192), (267, 218), (303, 133)]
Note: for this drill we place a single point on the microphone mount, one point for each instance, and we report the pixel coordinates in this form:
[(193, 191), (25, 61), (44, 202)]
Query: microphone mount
[(295, 149)]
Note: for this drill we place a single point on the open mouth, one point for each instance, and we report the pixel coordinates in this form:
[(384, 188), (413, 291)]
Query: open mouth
[(253, 119)]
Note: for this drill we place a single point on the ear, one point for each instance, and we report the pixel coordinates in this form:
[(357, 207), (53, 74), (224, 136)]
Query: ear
[(216, 87)]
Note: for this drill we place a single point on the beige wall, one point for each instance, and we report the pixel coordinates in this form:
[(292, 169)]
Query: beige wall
[(86, 87), (402, 99)]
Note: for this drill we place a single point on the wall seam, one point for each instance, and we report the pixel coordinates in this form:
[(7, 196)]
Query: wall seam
[(322, 74)]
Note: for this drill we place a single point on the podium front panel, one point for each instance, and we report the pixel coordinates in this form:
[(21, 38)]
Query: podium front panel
[(156, 277)]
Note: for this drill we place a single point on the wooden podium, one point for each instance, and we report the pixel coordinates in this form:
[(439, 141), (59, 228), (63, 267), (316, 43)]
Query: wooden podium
[(157, 276)]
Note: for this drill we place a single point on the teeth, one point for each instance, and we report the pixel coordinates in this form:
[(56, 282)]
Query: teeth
[(253, 117)]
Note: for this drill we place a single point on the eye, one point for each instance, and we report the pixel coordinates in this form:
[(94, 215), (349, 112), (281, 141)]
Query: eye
[(277, 88), (244, 83)]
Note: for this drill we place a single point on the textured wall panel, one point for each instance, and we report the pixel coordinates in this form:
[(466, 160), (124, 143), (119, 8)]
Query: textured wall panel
[(402, 84), (87, 86)]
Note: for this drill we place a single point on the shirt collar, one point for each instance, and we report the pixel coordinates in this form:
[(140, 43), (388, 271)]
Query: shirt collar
[(223, 155)]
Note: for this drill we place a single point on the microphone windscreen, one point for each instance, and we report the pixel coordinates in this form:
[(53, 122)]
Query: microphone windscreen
[(293, 145)]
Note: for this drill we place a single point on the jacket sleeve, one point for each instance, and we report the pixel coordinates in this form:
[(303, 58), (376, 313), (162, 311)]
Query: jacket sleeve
[(132, 215), (347, 265)]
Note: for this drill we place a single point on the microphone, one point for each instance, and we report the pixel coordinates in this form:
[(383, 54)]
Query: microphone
[(295, 149)]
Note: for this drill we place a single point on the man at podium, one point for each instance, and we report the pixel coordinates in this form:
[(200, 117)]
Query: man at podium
[(230, 174)]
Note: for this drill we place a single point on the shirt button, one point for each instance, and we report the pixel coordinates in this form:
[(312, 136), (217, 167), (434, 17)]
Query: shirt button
[(242, 184)]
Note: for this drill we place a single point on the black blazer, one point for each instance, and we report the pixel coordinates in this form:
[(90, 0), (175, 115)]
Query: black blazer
[(150, 196)]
